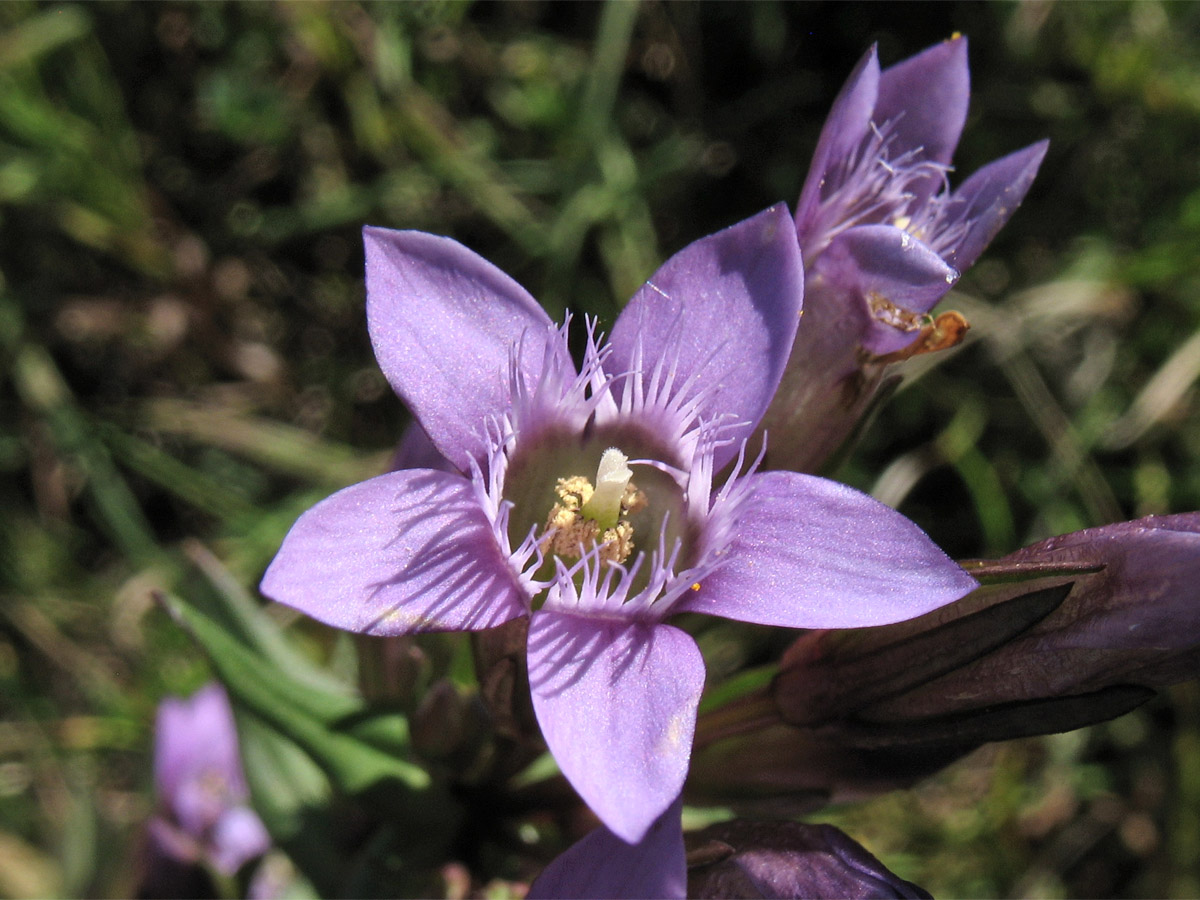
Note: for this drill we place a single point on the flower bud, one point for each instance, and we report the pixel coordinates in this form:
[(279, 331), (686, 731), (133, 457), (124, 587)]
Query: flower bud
[(1065, 633), (1100, 619), (786, 859)]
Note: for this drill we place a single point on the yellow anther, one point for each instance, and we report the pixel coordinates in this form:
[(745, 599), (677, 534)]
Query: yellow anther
[(574, 527)]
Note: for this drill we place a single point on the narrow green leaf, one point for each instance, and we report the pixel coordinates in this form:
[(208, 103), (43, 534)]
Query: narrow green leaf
[(306, 716), (255, 627)]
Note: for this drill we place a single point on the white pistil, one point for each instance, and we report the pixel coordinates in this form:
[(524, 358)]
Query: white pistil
[(612, 478)]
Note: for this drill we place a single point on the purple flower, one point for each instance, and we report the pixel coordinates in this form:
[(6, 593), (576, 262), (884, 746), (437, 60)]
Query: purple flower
[(585, 498), (883, 239), (199, 779)]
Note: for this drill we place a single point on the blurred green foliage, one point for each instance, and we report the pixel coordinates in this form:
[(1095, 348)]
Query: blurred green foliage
[(184, 364)]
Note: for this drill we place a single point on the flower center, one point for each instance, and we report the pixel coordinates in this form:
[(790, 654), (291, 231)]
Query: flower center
[(587, 516)]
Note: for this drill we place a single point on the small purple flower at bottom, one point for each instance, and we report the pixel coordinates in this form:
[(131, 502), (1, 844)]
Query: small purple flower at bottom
[(585, 498), (200, 784)]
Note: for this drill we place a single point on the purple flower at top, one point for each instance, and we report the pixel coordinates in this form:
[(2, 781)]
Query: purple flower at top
[(584, 497), (883, 239), (199, 780)]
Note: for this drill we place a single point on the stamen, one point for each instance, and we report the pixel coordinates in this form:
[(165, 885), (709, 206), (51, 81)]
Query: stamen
[(588, 518)]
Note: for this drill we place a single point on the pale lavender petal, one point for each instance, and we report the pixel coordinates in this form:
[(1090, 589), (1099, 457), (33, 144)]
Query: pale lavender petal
[(893, 274), (404, 552), (925, 98), (443, 322), (844, 130), (603, 865), (616, 702), (720, 315), (173, 745), (812, 553), (239, 836), (987, 199)]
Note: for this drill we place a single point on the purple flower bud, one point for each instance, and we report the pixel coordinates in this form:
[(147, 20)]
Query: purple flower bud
[(786, 859), (1067, 632), (883, 239), (1099, 619)]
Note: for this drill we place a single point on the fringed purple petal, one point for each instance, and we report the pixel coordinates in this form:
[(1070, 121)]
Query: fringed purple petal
[(841, 136), (603, 865), (717, 322), (812, 553), (404, 552), (986, 200), (893, 275), (444, 323), (926, 98), (616, 702)]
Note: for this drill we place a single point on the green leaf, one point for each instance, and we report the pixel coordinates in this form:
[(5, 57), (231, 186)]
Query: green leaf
[(249, 621), (313, 719)]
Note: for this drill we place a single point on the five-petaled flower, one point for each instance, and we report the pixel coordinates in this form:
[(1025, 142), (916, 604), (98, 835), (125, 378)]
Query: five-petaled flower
[(883, 240), (585, 498)]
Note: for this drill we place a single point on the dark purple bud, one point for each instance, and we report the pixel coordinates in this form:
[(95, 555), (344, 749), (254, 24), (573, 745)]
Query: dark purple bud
[(443, 721), (786, 859), (1098, 620), (1071, 631)]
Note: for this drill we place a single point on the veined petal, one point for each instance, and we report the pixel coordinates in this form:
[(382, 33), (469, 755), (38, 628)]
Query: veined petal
[(843, 132), (404, 552), (812, 553), (926, 97), (444, 322), (986, 200), (717, 322), (893, 273), (616, 702), (603, 865)]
